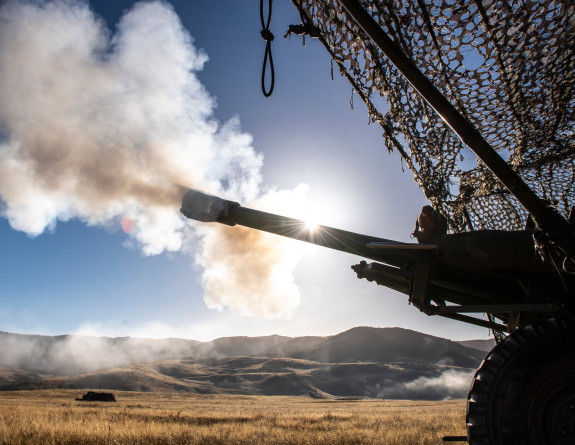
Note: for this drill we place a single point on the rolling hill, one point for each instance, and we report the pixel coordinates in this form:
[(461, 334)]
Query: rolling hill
[(360, 362)]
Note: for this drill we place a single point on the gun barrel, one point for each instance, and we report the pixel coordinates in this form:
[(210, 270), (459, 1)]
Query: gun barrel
[(207, 208)]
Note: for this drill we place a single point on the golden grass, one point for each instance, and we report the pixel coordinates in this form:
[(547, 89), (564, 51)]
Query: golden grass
[(53, 417)]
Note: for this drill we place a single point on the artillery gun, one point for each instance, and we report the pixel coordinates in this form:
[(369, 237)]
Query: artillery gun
[(496, 78), (524, 391)]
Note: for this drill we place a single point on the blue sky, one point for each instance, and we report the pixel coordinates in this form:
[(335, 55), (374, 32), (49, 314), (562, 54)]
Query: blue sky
[(76, 278)]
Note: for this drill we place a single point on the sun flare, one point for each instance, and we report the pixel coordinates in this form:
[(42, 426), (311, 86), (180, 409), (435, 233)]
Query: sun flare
[(310, 224)]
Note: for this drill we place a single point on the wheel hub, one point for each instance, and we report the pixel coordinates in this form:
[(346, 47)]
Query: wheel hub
[(556, 415)]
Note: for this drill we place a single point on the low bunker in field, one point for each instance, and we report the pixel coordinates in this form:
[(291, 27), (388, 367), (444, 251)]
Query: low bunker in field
[(92, 396)]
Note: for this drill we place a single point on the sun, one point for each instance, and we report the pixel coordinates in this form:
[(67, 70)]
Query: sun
[(310, 224), (314, 218)]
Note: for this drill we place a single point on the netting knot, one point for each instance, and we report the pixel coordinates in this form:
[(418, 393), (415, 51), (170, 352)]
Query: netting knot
[(267, 35)]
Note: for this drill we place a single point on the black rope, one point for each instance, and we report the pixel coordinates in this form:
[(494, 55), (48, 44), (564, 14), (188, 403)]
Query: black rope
[(268, 37)]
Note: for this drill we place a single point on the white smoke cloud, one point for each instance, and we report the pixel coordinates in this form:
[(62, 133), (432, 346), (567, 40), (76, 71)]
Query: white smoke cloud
[(243, 268), (107, 128), (451, 384), (74, 354)]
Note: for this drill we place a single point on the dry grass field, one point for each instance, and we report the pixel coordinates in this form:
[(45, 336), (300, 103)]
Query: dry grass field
[(53, 417)]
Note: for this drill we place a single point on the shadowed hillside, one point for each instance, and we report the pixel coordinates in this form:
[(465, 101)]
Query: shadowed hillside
[(230, 346), (263, 376), (361, 362), (390, 345), (481, 345)]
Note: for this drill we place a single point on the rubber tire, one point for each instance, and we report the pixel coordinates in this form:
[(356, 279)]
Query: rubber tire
[(524, 391)]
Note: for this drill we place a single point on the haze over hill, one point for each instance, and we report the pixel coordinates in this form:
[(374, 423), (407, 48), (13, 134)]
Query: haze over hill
[(360, 362)]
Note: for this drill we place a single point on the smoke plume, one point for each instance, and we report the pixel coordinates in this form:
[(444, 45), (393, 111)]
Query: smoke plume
[(451, 384), (73, 354), (258, 263), (109, 127)]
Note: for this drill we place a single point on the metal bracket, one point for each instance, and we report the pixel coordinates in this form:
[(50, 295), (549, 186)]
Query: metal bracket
[(420, 288), (495, 308)]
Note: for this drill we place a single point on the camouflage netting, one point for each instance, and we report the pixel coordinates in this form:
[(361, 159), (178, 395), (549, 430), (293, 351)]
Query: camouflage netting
[(508, 66)]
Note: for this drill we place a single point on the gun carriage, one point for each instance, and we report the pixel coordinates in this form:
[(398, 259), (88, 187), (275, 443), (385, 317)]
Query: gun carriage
[(495, 78)]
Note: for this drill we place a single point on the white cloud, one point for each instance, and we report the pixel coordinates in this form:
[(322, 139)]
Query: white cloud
[(104, 127)]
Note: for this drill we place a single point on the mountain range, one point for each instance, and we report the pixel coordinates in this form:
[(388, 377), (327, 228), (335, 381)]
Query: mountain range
[(360, 362)]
